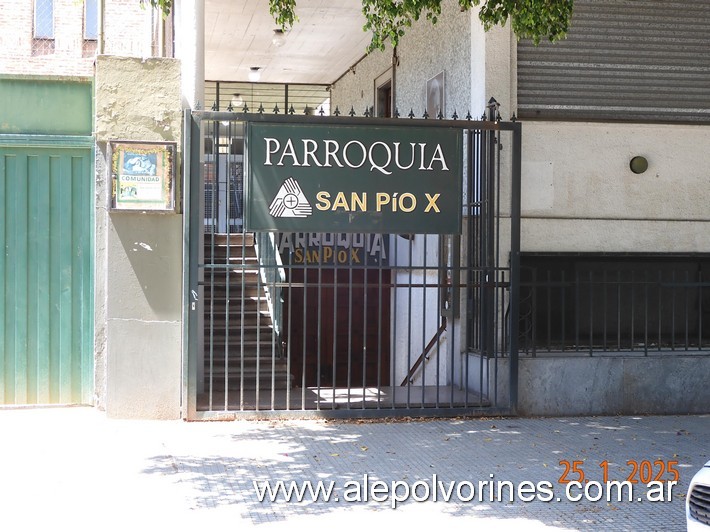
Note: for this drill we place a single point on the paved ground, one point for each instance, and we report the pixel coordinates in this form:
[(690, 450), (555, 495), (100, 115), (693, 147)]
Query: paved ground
[(63, 467)]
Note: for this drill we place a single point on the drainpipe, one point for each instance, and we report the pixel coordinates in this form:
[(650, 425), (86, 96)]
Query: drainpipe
[(100, 37)]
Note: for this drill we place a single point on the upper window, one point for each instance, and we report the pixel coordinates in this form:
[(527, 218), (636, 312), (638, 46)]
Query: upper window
[(44, 19), (91, 20)]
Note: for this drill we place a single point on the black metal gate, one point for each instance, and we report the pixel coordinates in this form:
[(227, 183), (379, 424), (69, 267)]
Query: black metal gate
[(351, 325)]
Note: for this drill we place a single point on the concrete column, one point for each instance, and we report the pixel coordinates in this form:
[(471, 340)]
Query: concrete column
[(190, 49), (138, 254), (493, 65), (478, 65)]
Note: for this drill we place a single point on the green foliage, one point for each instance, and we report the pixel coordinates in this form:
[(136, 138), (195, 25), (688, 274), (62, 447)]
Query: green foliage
[(284, 12), (387, 20), (530, 19), (166, 6)]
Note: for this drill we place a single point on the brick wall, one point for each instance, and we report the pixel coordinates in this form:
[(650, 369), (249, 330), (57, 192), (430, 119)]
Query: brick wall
[(127, 26)]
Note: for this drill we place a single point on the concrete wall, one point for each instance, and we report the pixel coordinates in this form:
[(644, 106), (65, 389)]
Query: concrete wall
[(356, 88), (578, 193), (609, 385), (139, 255), (422, 54)]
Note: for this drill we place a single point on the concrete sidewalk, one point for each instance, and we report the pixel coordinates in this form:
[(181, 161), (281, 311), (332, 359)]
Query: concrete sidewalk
[(73, 467)]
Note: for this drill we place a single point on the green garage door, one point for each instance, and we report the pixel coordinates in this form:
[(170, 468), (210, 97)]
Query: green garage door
[(46, 276)]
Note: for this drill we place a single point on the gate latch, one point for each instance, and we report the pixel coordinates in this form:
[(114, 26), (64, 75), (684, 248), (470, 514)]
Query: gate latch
[(194, 302)]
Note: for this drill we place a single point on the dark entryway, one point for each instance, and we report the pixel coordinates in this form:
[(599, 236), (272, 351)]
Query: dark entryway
[(348, 342)]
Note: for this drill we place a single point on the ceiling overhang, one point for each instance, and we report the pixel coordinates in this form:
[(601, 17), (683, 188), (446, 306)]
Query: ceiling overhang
[(326, 40)]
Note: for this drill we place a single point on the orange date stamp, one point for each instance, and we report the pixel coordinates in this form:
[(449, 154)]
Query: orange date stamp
[(643, 471)]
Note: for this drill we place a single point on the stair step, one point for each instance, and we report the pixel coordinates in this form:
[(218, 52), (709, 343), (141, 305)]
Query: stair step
[(235, 259), (220, 321), (235, 303), (231, 247), (247, 274), (236, 341), (234, 385), (236, 329), (237, 239), (249, 327), (222, 250), (245, 310), (250, 359)]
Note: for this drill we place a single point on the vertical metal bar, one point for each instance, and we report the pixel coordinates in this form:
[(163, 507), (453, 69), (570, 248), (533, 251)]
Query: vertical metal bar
[(497, 307), (393, 334), (350, 331), (645, 313), (578, 309), (533, 315), (442, 285), (259, 289), (227, 273), (700, 309), (335, 322), (379, 325), (215, 216), (194, 194), (618, 310), (605, 308), (515, 265), (409, 323), (660, 306), (673, 285), (364, 322), (633, 309), (424, 315), (563, 298), (591, 313), (470, 236), (487, 243), (549, 309), (304, 353), (289, 334), (319, 360), (242, 317), (273, 279), (685, 296)]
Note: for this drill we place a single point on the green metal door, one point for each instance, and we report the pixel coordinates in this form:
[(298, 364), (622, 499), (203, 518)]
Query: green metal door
[(46, 275)]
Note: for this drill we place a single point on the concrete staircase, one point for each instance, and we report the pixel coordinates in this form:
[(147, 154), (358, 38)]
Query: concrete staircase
[(239, 340)]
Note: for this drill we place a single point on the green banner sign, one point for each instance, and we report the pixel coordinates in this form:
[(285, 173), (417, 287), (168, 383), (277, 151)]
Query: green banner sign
[(353, 179)]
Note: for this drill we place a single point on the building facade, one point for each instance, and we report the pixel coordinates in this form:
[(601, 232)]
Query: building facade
[(614, 240), (102, 307), (73, 77)]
